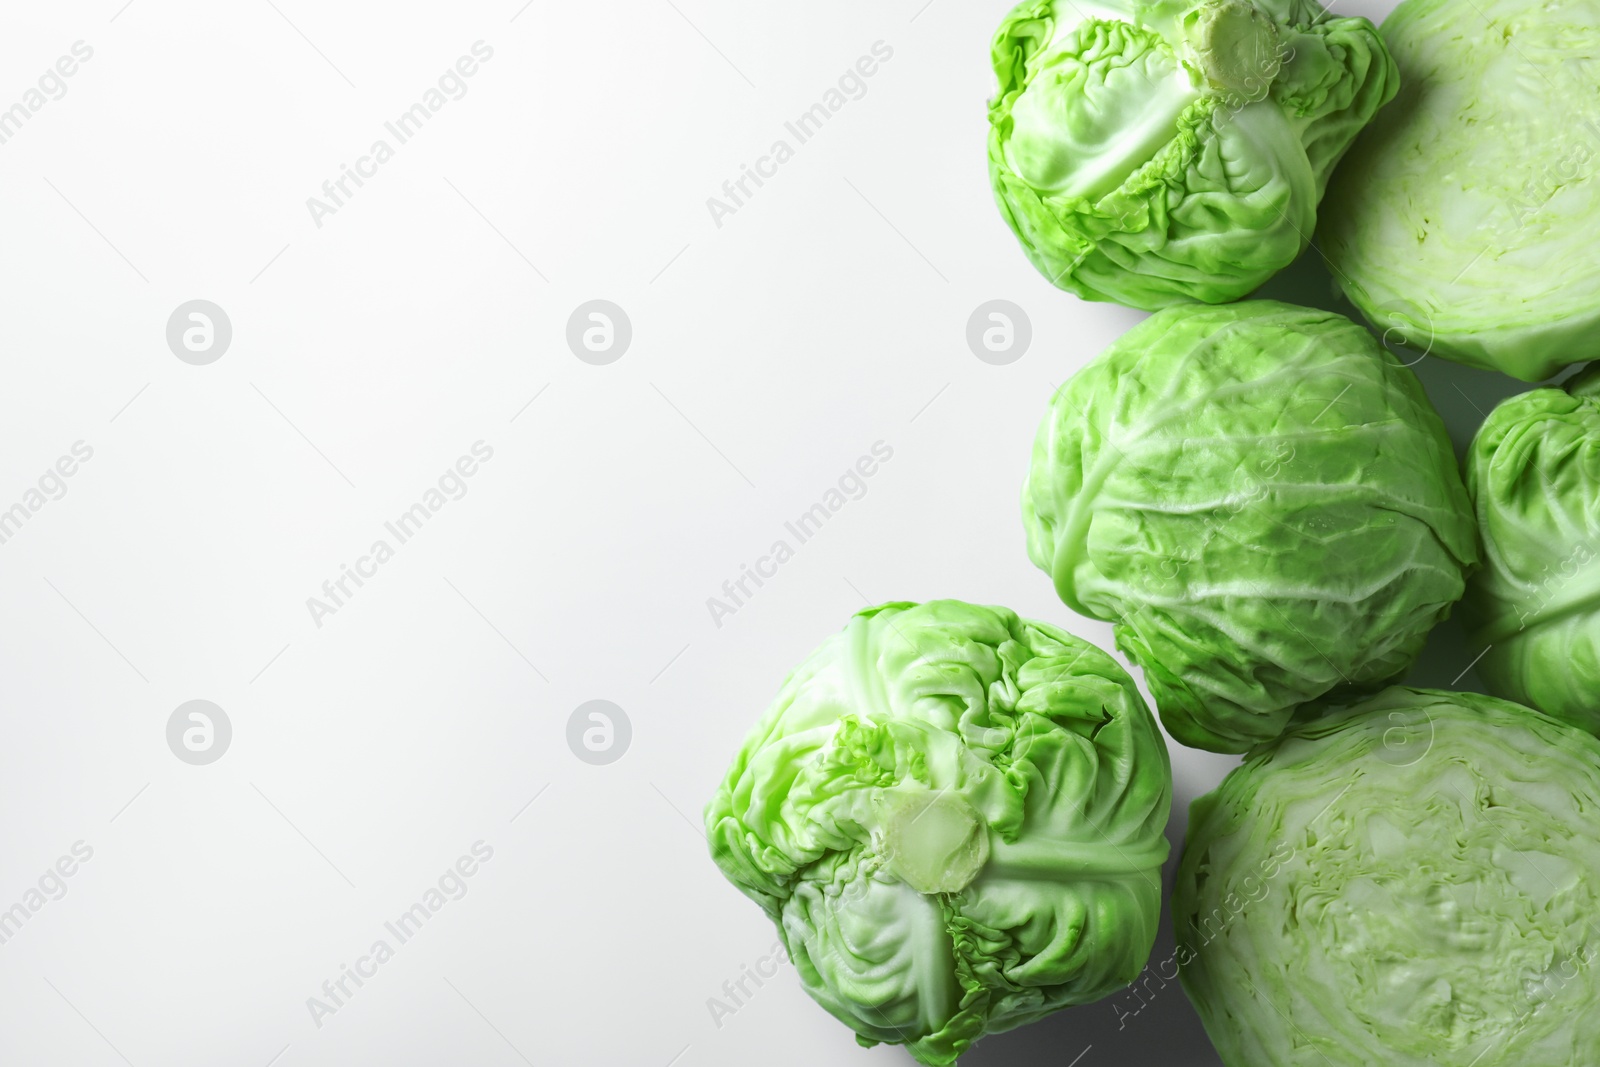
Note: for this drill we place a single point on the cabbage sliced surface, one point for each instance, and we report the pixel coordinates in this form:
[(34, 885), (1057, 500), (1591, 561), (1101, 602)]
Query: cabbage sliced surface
[(1412, 882), (1466, 218)]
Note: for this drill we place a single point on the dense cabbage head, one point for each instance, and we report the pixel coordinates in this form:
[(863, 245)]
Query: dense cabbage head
[(1263, 503), (1465, 220), (1534, 476), (955, 817), (1412, 882), (1155, 153)]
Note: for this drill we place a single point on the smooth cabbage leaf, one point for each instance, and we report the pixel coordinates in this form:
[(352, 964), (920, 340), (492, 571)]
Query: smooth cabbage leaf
[(1534, 475), (955, 817), (1411, 882), (1261, 501), (1465, 220), (1155, 153)]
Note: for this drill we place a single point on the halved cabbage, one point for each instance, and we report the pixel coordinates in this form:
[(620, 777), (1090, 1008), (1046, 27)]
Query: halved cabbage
[(1411, 882), (1467, 217)]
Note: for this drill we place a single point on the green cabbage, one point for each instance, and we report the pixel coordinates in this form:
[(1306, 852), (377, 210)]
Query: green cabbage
[(1412, 882), (1534, 476), (955, 817), (1261, 501), (1464, 219), (1152, 153)]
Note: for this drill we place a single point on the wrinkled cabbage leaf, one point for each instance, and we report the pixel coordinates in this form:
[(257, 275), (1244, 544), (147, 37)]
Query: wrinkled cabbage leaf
[(1534, 475), (1155, 153), (1263, 503), (955, 817)]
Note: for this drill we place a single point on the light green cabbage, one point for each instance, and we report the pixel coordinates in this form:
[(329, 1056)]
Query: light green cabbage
[(1262, 502), (1151, 153), (1412, 882), (955, 818), (1466, 219), (1534, 476)]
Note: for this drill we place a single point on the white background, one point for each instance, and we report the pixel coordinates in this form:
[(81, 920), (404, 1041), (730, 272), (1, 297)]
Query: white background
[(371, 752)]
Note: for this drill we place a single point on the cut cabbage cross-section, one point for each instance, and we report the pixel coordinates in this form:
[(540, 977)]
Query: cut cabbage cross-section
[(1411, 882), (1467, 217)]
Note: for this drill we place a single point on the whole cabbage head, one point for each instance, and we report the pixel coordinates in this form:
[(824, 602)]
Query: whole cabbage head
[(1152, 153), (955, 817), (1264, 504), (1534, 476), (1411, 882), (1464, 222)]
